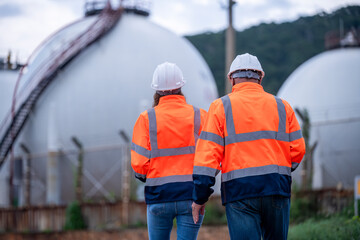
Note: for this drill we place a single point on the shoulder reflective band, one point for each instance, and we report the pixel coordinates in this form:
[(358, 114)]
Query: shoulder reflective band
[(152, 128), (197, 122), (230, 127), (246, 74), (155, 151), (280, 135)]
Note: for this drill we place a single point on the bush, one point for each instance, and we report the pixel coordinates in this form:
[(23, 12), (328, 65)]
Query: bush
[(302, 209), (214, 213), (349, 211), (74, 218), (335, 227)]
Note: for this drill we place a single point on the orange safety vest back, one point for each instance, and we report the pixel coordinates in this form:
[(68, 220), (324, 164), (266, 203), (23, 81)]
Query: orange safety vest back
[(254, 139), (163, 147)]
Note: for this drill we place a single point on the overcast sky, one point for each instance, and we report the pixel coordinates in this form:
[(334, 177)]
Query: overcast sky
[(25, 23)]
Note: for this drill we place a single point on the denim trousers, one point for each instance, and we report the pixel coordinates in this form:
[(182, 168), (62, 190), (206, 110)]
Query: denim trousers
[(253, 218), (160, 217)]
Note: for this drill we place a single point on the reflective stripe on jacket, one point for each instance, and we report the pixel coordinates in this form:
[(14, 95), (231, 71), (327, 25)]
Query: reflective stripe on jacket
[(254, 139), (163, 147)]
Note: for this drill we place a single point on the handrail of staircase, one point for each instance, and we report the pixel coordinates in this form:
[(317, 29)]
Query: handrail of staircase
[(60, 58)]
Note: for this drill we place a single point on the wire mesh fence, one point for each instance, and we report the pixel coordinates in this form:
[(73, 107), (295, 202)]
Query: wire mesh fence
[(103, 174)]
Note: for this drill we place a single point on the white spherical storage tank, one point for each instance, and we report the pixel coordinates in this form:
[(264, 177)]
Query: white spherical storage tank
[(7, 84), (328, 87), (99, 93)]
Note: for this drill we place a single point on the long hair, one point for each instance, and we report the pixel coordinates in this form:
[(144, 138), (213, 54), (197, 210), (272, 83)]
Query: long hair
[(158, 96)]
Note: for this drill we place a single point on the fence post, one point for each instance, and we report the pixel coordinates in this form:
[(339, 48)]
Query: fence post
[(27, 180), (78, 180), (125, 180)]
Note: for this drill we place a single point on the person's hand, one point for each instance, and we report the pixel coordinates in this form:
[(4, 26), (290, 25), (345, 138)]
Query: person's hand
[(196, 210)]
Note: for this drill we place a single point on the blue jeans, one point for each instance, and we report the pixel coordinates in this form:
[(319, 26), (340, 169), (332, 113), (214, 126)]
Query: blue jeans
[(253, 218), (160, 218)]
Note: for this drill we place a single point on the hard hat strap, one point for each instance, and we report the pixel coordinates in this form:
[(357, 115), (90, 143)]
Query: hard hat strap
[(246, 74), (169, 92)]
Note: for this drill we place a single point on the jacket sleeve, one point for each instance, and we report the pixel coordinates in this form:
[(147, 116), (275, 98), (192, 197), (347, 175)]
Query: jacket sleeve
[(209, 154), (297, 143), (140, 147)]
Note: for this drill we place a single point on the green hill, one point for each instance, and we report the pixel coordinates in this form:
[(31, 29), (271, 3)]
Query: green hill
[(281, 48)]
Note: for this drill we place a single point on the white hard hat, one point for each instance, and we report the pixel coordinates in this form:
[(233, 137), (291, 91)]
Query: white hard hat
[(167, 76), (245, 62)]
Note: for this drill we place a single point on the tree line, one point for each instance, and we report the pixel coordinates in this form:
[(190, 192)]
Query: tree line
[(281, 48)]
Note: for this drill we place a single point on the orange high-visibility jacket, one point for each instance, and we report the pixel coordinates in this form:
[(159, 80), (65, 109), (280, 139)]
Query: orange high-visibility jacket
[(254, 139), (163, 147)]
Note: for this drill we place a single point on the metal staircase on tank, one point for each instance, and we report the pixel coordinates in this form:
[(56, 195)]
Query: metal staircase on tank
[(45, 74)]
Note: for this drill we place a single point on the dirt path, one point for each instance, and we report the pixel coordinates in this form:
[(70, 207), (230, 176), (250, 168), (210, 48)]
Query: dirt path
[(206, 233)]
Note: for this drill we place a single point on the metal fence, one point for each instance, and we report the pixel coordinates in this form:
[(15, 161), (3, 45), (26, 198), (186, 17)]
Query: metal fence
[(98, 216)]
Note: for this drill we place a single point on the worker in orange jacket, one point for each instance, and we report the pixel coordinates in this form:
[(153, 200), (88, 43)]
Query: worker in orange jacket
[(254, 139), (162, 155)]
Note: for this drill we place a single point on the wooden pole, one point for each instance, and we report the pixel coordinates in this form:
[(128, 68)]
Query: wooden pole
[(230, 45)]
